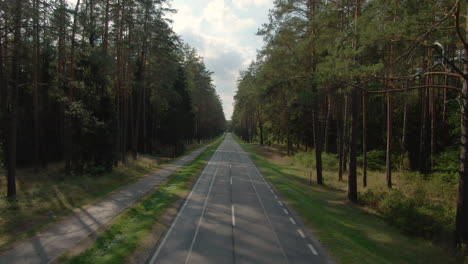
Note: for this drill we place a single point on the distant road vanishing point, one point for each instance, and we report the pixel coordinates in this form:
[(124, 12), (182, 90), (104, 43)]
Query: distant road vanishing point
[(233, 215)]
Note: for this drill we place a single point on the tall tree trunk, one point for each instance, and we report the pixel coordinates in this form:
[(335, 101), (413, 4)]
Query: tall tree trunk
[(327, 123), (92, 22), (13, 129), (444, 111), (352, 178), (3, 87), (68, 120), (356, 97), (462, 202), (36, 73), (260, 124), (423, 166), (433, 120), (105, 41), (364, 139), (141, 87), (388, 163), (318, 144), (340, 125), (346, 134), (403, 133)]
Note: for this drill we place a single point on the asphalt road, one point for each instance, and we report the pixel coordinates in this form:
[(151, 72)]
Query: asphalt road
[(233, 215)]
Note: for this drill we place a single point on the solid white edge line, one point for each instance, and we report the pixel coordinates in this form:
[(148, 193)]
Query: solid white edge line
[(300, 233), (233, 216), (201, 217), (155, 256), (286, 211), (292, 220), (312, 249)]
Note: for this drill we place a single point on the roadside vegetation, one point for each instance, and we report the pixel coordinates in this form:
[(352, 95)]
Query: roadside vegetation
[(418, 204), (378, 91), (128, 231), (47, 196), (349, 232)]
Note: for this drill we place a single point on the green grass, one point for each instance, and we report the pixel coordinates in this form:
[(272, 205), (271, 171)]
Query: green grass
[(119, 242), (47, 196), (349, 233)]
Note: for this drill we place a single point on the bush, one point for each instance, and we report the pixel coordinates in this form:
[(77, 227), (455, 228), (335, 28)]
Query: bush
[(330, 162), (307, 160), (414, 215), (375, 160), (447, 165)]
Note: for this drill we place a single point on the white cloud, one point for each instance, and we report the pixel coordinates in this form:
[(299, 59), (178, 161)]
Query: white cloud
[(244, 4), (223, 32)]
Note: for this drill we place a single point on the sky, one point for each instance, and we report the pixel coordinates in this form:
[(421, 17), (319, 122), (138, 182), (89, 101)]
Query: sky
[(224, 33)]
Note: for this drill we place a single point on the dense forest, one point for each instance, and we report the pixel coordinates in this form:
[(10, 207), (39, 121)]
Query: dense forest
[(364, 81), (91, 83)]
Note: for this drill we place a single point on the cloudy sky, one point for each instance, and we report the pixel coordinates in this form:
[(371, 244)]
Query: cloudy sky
[(223, 32)]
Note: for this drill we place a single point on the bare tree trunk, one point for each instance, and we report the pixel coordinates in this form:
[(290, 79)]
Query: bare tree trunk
[(388, 163), (318, 143), (352, 178), (13, 129), (327, 123), (364, 139), (260, 124), (403, 133), (68, 121), (433, 120), (346, 134), (356, 104), (423, 133), (106, 27), (140, 93), (444, 111), (462, 202), (36, 73), (340, 126)]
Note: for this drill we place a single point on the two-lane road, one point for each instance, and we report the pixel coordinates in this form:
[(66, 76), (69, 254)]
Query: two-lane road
[(233, 215)]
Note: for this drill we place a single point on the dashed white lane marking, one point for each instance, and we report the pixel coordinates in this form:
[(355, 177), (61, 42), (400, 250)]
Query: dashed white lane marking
[(280, 203), (233, 216), (276, 197), (312, 249), (292, 220), (271, 191), (300, 233), (286, 211), (230, 180)]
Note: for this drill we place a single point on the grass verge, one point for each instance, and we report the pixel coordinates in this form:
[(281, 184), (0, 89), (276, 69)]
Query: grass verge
[(47, 196), (350, 234), (121, 239)]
